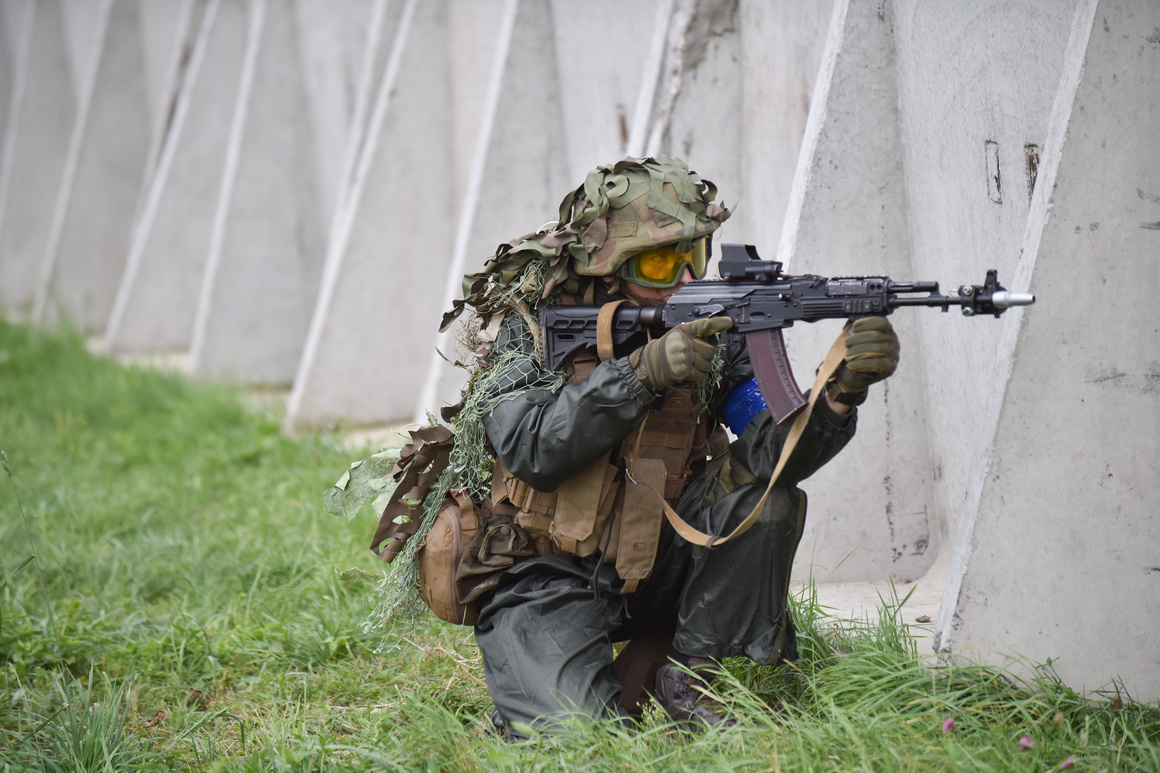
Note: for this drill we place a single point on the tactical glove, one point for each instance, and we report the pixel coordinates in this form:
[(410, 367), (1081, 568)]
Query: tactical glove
[(679, 355), (871, 354)]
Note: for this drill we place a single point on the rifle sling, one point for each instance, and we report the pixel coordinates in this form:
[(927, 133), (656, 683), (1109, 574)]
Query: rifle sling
[(834, 358), (604, 322)]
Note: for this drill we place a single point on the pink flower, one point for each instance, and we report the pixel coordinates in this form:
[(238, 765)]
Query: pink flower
[(1067, 763), (949, 725), (1025, 743)]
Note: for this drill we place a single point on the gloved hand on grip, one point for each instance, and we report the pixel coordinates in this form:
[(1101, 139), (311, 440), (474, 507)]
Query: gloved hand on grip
[(871, 354), (679, 355)]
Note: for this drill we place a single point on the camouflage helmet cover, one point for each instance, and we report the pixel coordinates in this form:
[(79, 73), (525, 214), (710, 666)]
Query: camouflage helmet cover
[(620, 210), (636, 205)]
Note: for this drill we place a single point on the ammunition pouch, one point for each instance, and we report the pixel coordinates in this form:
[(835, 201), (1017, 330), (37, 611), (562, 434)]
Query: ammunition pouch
[(611, 506)]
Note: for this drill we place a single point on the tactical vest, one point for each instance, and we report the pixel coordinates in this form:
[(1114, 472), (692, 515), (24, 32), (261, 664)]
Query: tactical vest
[(612, 506)]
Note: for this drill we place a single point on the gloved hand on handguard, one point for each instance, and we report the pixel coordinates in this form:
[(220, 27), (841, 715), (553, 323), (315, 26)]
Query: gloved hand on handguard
[(871, 354)]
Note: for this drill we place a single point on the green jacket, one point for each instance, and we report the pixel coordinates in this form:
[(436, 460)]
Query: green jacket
[(544, 437)]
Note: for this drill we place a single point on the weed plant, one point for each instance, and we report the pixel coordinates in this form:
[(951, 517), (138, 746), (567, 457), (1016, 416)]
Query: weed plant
[(174, 598)]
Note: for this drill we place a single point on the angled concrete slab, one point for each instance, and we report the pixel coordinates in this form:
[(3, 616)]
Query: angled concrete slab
[(103, 178), (334, 35), (519, 172), (14, 15), (781, 51), (13, 52), (1062, 559), (473, 32), (698, 105), (168, 31), (602, 87), (42, 114), (83, 20), (157, 299), (378, 306), (267, 248), (872, 512), (967, 124)]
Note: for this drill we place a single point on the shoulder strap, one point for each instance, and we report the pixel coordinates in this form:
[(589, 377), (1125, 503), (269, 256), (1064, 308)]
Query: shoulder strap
[(604, 329), (833, 359)]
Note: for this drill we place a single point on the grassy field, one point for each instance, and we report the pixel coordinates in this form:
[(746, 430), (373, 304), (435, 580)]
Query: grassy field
[(175, 598)]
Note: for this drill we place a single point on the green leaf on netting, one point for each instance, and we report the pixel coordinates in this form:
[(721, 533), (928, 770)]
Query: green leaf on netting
[(366, 480), (381, 500)]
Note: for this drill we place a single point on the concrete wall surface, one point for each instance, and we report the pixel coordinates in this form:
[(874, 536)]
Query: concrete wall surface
[(156, 302), (1063, 560), (288, 194), (847, 216), (104, 173), (266, 252), (361, 338), (35, 147)]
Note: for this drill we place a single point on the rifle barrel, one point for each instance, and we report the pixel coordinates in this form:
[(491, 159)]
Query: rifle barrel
[(1005, 299)]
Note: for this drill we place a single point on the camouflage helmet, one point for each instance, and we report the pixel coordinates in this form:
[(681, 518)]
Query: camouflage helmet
[(634, 205), (637, 205)]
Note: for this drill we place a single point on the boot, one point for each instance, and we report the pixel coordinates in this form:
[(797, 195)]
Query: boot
[(685, 695)]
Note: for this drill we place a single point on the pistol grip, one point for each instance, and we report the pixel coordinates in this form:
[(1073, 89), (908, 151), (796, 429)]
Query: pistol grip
[(774, 375)]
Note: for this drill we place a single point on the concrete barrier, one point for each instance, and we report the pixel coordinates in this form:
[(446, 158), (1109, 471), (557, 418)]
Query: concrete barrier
[(1060, 561), (168, 33), (157, 299), (602, 89), (266, 252), (333, 43), (781, 51), (518, 169), (83, 30), (966, 127), (13, 53), (376, 312), (871, 509), (100, 189), (35, 146)]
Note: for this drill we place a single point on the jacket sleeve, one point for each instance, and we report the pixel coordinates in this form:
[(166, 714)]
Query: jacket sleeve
[(826, 433), (544, 436)]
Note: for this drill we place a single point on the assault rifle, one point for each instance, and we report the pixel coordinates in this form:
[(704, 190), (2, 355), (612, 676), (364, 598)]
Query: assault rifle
[(762, 301)]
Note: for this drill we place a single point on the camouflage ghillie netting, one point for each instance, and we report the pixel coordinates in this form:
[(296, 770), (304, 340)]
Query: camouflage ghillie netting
[(620, 210), (469, 469)]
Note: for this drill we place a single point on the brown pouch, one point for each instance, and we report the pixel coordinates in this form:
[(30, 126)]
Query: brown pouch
[(498, 546), (455, 526)]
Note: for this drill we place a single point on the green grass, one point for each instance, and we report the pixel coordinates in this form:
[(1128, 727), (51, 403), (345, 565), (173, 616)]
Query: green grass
[(173, 597)]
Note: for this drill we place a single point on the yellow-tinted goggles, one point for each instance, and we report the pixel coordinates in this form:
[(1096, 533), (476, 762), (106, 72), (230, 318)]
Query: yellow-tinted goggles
[(662, 267)]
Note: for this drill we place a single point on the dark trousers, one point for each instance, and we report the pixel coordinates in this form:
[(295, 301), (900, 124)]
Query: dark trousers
[(546, 632)]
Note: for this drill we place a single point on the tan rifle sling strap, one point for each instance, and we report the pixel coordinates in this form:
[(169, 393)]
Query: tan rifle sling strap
[(604, 329), (834, 358)]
